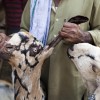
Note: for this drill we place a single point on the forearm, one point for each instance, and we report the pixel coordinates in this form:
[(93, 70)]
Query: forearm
[(87, 38), (25, 20), (95, 36)]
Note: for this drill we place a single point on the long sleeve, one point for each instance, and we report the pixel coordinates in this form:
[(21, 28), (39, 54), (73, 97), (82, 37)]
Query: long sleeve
[(95, 23), (25, 20)]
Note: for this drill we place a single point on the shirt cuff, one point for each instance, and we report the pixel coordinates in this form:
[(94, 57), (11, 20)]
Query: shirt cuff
[(96, 36)]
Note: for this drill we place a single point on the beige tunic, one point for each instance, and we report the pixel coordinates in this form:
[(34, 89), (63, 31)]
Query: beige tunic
[(2, 17), (59, 73)]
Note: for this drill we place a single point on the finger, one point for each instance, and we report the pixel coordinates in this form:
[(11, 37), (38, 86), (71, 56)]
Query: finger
[(68, 33), (65, 29), (64, 34), (68, 29), (69, 25), (2, 39), (70, 40)]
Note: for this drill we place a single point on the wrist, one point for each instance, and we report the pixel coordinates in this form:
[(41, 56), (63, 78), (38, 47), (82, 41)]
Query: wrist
[(87, 38)]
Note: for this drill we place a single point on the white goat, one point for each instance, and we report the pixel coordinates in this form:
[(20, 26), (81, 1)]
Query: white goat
[(86, 57)]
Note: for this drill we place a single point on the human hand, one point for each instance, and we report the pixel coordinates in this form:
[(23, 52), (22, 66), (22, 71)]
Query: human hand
[(3, 39), (72, 33)]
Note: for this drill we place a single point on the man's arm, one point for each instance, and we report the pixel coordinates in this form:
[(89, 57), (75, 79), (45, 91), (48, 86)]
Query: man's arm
[(72, 33), (95, 23), (25, 20)]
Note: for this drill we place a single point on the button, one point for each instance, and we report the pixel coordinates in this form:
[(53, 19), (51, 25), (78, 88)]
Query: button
[(54, 9), (57, 19), (55, 36)]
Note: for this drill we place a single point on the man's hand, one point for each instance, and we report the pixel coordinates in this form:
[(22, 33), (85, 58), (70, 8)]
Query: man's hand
[(72, 33), (3, 39)]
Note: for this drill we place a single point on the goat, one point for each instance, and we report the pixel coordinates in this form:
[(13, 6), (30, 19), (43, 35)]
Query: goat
[(26, 61), (86, 58), (26, 56)]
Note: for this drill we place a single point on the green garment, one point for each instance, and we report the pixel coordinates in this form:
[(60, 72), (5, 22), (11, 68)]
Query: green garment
[(2, 17), (59, 73)]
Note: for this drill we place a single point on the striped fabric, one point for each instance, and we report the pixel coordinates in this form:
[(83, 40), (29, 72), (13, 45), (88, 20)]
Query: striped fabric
[(14, 9)]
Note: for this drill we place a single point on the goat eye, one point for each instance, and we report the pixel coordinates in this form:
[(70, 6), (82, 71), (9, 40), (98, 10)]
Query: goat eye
[(35, 50), (9, 46)]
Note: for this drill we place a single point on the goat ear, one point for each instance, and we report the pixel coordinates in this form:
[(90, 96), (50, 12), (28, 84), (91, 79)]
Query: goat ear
[(78, 19)]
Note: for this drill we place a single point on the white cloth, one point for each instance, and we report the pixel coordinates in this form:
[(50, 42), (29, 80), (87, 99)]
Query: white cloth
[(40, 19)]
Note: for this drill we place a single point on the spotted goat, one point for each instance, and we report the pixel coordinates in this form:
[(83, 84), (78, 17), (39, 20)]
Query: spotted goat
[(23, 53)]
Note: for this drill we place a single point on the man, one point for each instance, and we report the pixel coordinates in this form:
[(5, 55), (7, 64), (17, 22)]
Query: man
[(13, 11), (59, 74), (2, 17)]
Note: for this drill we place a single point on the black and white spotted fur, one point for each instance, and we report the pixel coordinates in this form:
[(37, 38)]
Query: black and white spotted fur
[(26, 56)]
